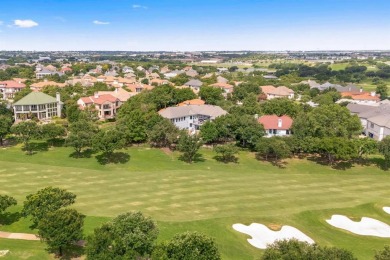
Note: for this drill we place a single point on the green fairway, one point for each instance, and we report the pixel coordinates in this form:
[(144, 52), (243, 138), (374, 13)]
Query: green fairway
[(206, 196)]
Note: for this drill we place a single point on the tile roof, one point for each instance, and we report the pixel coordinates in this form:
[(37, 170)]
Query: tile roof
[(360, 95), (180, 111), (43, 84), (279, 91), (192, 102), (12, 84), (272, 121), (100, 99)]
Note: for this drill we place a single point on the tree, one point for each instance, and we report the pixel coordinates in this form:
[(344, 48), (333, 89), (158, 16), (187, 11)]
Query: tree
[(72, 112), (191, 246), (52, 131), (128, 236), (337, 148), (247, 131), (226, 153), (189, 146), (81, 135), (383, 254), (365, 146), (209, 132), (280, 107), (6, 202), (211, 95), (21, 94), (274, 147), (327, 121), (384, 148), (61, 229), (383, 90), (5, 126), (244, 89), (25, 131), (294, 249), (108, 141), (44, 201), (183, 94), (163, 134), (133, 126)]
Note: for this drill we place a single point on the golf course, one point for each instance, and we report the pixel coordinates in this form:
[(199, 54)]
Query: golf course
[(206, 196)]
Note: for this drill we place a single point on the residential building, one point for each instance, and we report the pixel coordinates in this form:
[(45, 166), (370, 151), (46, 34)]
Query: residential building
[(192, 73), (360, 97), (192, 102), (276, 125), (375, 120), (40, 74), (40, 85), (106, 105), (191, 117), (37, 105), (277, 92), (195, 84), (226, 88), (159, 82), (138, 87), (8, 88)]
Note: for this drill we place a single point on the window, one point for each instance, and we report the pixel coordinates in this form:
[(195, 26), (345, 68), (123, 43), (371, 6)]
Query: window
[(371, 135), (274, 131), (190, 117), (287, 132), (191, 125), (270, 131), (372, 125)]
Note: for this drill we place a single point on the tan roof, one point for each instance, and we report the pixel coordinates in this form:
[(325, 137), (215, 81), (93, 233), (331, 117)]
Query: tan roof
[(222, 85), (12, 84), (119, 93), (180, 111), (133, 87), (100, 99), (192, 102), (40, 85), (279, 91)]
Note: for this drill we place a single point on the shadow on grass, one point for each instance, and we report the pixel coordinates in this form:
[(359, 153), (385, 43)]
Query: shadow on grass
[(71, 252), (116, 157), (338, 165), (8, 218), (224, 159), (381, 163), (34, 147), (197, 158), (275, 162), (84, 154)]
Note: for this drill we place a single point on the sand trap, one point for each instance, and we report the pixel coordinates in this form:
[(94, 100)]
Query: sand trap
[(262, 235), (3, 252), (387, 209), (365, 227)]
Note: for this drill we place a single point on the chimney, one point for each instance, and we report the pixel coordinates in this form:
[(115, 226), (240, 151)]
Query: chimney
[(279, 122), (96, 95), (373, 93), (58, 97), (361, 90), (116, 90)]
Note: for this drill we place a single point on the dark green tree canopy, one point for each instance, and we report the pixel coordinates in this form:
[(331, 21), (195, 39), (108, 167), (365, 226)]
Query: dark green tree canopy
[(6, 202)]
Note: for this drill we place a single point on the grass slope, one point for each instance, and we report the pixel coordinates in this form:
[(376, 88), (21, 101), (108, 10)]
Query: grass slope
[(206, 196)]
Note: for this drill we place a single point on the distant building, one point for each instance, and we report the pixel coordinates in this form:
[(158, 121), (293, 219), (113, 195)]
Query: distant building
[(191, 117), (8, 88), (277, 92), (106, 105), (37, 105), (195, 84)]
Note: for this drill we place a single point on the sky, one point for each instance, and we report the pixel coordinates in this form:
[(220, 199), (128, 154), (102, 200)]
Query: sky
[(189, 25)]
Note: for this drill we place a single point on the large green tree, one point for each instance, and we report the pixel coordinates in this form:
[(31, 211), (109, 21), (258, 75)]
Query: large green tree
[(5, 126), (108, 141), (6, 202), (128, 236), (383, 90), (294, 249), (327, 121), (189, 146), (211, 95), (52, 132), (61, 230), (25, 131), (163, 134), (81, 134), (226, 153), (383, 254), (189, 246), (384, 148), (281, 106), (46, 200)]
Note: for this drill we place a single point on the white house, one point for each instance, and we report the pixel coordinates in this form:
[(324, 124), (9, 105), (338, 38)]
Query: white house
[(276, 125), (191, 117)]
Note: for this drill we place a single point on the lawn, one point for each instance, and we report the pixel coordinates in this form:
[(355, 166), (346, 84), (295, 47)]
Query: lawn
[(207, 196)]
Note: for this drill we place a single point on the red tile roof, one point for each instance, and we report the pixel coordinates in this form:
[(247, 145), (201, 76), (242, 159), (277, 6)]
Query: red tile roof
[(271, 122), (360, 95), (12, 84), (101, 99)]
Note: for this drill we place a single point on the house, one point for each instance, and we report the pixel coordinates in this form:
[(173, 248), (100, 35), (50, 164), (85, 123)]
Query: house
[(173, 74), (221, 79), (191, 117), (159, 82), (154, 75), (138, 87), (192, 73), (226, 88), (106, 105), (375, 120), (37, 105), (276, 125), (360, 97), (270, 77), (127, 69), (119, 93), (195, 84), (8, 88), (40, 74), (192, 102), (277, 92), (65, 70), (40, 85)]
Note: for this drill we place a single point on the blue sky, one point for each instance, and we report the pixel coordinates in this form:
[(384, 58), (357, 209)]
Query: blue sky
[(189, 25)]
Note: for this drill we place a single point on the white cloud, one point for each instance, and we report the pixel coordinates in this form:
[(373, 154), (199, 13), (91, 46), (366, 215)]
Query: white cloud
[(25, 23), (100, 22), (140, 7)]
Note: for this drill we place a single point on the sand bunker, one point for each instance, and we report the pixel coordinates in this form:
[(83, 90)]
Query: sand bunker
[(262, 235), (387, 209), (365, 227), (3, 252)]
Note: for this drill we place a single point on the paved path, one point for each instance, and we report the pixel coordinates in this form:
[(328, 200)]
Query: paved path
[(23, 236)]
